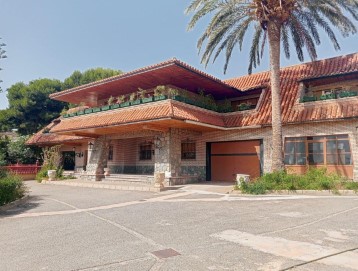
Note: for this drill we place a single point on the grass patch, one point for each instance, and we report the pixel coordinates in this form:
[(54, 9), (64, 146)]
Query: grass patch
[(43, 175), (12, 187), (314, 179)]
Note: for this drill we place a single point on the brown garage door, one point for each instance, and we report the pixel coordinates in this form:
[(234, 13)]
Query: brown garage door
[(230, 158)]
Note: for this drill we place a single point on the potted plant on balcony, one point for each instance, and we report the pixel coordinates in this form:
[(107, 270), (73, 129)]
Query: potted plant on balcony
[(225, 107), (306, 99), (134, 99), (108, 105), (347, 93), (210, 103), (88, 110), (142, 95), (122, 101), (173, 93), (96, 109), (159, 93), (244, 106)]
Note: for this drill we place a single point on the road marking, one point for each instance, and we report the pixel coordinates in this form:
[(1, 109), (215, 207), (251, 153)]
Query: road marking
[(62, 202), (302, 251), (314, 221), (129, 231), (98, 208), (175, 197)]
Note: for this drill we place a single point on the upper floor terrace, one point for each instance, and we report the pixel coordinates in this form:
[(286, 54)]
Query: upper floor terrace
[(175, 90)]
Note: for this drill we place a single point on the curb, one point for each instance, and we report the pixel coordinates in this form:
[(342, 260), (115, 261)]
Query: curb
[(306, 192), (14, 203), (99, 185)]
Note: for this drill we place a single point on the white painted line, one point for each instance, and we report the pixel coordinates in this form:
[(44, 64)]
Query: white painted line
[(295, 250)]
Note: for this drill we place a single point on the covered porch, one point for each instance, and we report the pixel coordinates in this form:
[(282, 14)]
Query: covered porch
[(142, 147)]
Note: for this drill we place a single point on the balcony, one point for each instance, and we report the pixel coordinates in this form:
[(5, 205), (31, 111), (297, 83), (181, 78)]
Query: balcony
[(204, 102), (329, 96)]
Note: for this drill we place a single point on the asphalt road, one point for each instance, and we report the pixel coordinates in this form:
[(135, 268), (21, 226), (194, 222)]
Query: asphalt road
[(73, 228)]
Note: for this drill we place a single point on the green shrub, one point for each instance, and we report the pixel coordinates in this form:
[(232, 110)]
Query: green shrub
[(314, 179), (351, 186), (42, 174), (11, 188)]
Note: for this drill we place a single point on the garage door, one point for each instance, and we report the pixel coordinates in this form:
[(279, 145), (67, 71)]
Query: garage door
[(230, 158)]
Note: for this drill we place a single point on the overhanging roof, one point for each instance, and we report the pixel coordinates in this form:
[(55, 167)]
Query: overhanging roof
[(174, 72), (163, 114)]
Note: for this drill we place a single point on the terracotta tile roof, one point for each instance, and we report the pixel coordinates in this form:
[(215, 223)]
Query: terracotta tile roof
[(155, 111), (186, 77), (49, 138), (293, 112)]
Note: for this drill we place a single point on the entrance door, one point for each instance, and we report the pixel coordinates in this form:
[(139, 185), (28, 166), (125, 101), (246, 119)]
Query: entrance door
[(68, 158), (230, 158)]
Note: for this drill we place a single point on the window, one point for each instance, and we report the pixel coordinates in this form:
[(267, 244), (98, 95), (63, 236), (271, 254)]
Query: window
[(295, 151), (315, 150), (188, 150), (318, 150), (338, 150), (110, 153), (145, 151)]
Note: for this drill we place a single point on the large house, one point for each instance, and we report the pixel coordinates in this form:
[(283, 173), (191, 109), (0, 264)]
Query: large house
[(173, 118)]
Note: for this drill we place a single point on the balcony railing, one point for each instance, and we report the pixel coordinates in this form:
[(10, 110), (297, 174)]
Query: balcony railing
[(209, 105), (329, 96)]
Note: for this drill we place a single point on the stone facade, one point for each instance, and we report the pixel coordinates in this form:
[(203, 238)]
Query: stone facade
[(167, 148), (97, 159)]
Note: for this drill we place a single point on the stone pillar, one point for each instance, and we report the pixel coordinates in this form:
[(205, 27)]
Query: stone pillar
[(97, 159), (175, 152), (167, 153)]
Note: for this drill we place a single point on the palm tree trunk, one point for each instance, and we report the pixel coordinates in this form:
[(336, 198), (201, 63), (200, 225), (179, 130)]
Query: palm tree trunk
[(274, 38)]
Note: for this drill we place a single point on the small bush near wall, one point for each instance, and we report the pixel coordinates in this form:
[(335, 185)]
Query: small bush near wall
[(11, 187), (42, 174), (314, 179)]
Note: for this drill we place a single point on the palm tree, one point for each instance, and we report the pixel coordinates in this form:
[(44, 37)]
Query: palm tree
[(2, 55), (275, 22)]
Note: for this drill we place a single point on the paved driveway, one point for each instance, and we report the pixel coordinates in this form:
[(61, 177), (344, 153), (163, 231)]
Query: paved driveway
[(72, 228)]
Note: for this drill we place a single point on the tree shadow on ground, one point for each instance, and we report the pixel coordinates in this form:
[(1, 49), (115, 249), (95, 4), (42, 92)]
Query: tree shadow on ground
[(30, 203)]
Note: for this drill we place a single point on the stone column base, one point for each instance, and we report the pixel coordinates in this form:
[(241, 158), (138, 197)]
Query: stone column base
[(94, 177)]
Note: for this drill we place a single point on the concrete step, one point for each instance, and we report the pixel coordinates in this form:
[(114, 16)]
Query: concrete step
[(126, 179)]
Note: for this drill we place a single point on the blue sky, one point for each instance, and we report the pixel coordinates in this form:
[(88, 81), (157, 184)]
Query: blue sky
[(51, 39)]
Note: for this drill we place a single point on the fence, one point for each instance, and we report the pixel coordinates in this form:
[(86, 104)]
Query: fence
[(27, 171)]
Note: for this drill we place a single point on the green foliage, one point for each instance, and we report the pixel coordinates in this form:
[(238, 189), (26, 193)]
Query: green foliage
[(15, 150), (121, 99), (4, 142), (11, 187), (159, 90), (42, 174), (299, 21), (314, 179), (77, 78), (351, 186), (110, 100), (18, 152), (132, 96), (141, 93), (30, 107)]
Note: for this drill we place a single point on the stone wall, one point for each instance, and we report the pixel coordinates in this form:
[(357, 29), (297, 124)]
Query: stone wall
[(97, 159), (167, 157), (198, 166)]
